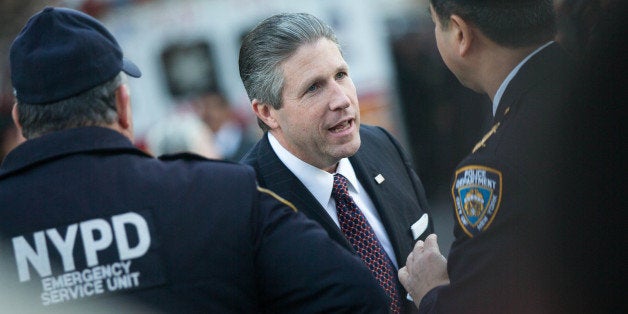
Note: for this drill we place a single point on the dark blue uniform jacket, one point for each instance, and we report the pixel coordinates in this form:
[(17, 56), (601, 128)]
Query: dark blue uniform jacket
[(90, 223), (509, 197)]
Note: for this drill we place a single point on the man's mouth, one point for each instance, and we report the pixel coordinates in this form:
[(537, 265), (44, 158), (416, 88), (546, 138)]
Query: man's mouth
[(341, 126)]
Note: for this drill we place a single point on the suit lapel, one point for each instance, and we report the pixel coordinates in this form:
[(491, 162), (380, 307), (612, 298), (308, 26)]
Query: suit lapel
[(278, 178), (366, 171)]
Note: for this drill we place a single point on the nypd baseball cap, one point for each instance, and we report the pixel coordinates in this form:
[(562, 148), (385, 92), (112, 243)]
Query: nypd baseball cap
[(62, 52)]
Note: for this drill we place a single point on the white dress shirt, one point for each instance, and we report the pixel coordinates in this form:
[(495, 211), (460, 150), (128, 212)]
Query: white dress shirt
[(320, 183)]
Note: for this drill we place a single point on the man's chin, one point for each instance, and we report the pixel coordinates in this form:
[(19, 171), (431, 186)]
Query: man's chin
[(346, 150)]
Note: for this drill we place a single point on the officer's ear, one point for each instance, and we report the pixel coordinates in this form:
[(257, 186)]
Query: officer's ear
[(464, 34), (265, 112), (16, 119), (123, 107)]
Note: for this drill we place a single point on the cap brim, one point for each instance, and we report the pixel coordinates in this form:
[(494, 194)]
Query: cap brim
[(130, 68)]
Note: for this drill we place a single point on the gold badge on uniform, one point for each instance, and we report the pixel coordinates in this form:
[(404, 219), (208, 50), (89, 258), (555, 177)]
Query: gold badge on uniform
[(477, 194)]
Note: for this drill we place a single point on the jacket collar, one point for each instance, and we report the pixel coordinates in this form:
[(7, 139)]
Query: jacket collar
[(66, 142), (550, 59)]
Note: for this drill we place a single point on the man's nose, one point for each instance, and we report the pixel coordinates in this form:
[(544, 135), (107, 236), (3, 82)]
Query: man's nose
[(339, 97)]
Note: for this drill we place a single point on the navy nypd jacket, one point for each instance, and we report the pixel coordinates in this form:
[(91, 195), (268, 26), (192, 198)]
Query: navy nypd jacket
[(90, 223), (511, 196)]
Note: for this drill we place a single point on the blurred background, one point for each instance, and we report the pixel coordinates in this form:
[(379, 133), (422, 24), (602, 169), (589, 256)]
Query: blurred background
[(188, 51)]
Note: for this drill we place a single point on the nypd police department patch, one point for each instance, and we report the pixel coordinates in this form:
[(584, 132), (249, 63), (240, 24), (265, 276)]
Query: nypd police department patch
[(477, 194)]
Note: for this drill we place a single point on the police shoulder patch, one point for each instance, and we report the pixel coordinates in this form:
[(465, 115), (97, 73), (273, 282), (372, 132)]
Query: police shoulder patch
[(477, 192)]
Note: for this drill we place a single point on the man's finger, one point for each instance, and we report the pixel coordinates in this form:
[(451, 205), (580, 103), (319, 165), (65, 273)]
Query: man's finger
[(432, 241), (403, 275), (409, 259), (419, 244)]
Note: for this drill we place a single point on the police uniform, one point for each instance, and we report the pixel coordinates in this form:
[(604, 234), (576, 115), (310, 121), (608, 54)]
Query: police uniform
[(90, 223), (508, 198)]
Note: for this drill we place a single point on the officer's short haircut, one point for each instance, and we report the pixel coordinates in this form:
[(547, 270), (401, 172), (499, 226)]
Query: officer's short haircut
[(510, 23), (94, 107)]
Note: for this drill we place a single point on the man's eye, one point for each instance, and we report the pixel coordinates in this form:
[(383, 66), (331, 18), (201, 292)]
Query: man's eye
[(341, 75), (312, 88)]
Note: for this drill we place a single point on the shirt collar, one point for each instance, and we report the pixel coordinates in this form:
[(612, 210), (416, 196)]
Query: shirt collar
[(319, 182), (511, 75)]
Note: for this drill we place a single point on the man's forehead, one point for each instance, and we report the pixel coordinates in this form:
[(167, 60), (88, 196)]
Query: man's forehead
[(315, 57)]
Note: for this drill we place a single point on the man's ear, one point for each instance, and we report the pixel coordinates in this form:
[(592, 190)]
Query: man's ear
[(123, 107), (264, 112), (464, 34), (16, 119)]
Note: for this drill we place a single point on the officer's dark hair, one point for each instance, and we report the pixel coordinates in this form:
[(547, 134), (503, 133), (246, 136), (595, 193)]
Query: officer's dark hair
[(268, 45), (509, 23), (94, 107)]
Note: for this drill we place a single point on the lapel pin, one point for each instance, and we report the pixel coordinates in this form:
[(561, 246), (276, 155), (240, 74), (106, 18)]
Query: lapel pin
[(379, 178)]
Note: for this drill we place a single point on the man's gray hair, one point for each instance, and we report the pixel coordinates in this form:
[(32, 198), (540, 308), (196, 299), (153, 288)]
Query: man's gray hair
[(268, 45), (94, 107)]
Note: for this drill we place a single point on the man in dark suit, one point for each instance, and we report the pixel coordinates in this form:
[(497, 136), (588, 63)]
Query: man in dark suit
[(89, 223), (303, 96), (513, 194)]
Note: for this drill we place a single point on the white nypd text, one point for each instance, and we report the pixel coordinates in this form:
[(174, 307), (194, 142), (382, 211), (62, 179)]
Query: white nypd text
[(96, 235)]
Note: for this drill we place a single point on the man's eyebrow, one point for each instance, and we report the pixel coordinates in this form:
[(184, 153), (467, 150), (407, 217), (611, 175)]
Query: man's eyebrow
[(306, 83), (344, 67)]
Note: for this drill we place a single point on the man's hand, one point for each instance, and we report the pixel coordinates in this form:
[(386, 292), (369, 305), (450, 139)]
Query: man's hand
[(426, 268)]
